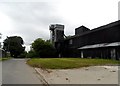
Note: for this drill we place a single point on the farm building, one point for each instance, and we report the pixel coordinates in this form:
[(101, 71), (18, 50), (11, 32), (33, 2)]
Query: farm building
[(101, 42)]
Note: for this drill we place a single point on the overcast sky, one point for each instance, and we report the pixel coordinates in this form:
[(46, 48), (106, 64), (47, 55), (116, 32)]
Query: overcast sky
[(30, 19)]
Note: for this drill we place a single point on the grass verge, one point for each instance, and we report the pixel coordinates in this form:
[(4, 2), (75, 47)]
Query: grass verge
[(3, 59), (68, 63)]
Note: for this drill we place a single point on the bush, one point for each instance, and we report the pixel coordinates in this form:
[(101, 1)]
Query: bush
[(22, 55), (31, 54)]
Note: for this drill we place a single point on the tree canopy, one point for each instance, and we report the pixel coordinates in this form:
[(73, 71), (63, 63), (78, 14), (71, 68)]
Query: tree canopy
[(13, 45), (43, 48)]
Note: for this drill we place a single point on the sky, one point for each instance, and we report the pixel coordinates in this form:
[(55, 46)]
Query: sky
[(30, 19)]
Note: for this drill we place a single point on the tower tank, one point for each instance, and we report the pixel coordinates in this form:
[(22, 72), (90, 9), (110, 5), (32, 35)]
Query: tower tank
[(57, 37), (56, 32)]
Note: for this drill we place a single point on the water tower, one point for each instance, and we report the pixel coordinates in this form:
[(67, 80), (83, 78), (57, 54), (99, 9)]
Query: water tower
[(57, 32), (57, 36)]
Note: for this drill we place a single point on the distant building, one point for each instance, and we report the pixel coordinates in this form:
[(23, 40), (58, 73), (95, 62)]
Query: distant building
[(0, 47), (2, 52), (101, 42)]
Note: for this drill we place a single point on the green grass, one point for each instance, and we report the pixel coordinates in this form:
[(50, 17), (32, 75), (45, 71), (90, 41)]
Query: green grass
[(3, 59), (68, 63)]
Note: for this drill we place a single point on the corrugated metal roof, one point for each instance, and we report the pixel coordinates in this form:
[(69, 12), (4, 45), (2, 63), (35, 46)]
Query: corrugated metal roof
[(114, 44), (101, 45)]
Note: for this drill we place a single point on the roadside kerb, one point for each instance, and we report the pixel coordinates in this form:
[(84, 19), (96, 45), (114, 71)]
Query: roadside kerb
[(45, 82)]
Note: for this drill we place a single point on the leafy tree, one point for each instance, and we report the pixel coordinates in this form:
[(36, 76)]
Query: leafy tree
[(23, 54), (13, 45), (31, 54), (43, 48)]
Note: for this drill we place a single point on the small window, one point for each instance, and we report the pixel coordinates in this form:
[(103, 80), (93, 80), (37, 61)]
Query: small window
[(70, 42)]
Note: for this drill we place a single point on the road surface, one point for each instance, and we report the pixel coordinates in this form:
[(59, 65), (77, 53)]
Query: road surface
[(0, 73), (16, 71)]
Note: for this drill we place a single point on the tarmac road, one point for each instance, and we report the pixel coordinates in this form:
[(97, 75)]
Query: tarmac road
[(16, 71), (0, 73)]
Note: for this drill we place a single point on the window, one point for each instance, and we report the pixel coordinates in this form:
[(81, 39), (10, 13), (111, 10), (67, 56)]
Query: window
[(70, 41)]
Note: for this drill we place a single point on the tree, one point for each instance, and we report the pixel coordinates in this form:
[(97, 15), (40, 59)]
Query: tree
[(43, 48), (31, 54), (13, 45)]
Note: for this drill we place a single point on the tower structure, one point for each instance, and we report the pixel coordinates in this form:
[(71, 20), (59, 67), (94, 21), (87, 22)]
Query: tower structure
[(57, 32), (57, 36)]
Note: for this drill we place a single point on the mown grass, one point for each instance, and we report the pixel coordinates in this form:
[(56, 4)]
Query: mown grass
[(3, 59), (68, 63)]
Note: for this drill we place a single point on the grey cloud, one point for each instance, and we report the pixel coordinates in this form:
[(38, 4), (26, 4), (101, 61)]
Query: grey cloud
[(119, 10), (32, 19)]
